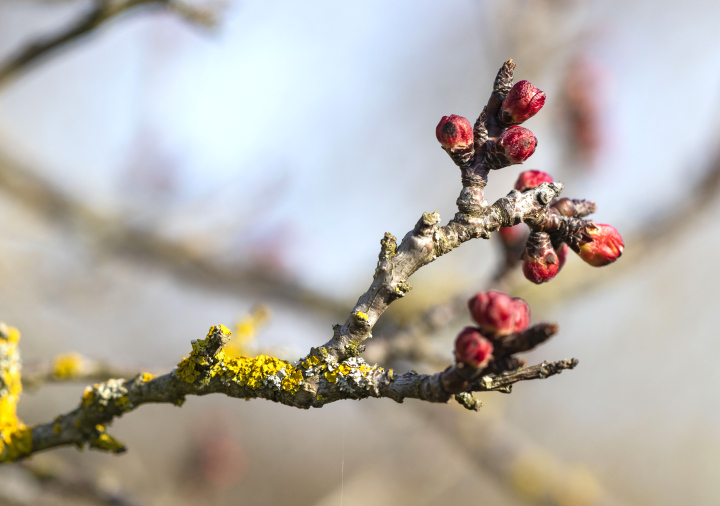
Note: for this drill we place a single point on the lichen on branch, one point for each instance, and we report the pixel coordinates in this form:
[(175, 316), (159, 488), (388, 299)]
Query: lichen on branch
[(15, 437)]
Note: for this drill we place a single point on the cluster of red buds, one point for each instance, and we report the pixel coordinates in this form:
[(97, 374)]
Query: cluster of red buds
[(546, 251), (513, 145), (503, 328), (496, 141)]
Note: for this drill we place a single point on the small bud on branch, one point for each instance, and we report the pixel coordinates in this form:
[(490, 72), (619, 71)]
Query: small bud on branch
[(606, 246), (540, 261), (517, 144), (532, 179), (455, 135), (472, 348), (522, 103), (498, 314)]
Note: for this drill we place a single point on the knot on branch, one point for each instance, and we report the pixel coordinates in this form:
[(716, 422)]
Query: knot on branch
[(472, 201), (204, 354), (466, 400), (99, 439)]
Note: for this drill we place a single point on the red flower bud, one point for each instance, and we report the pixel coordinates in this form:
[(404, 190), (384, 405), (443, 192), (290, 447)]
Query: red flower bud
[(498, 314), (606, 246), (531, 179), (454, 132), (472, 348), (562, 252), (522, 103), (513, 235), (540, 261), (517, 143)]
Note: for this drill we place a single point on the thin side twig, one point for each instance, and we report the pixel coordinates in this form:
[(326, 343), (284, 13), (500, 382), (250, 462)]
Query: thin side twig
[(99, 14)]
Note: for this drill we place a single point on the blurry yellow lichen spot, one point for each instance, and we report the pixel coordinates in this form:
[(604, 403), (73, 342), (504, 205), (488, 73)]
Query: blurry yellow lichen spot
[(246, 329), (67, 366)]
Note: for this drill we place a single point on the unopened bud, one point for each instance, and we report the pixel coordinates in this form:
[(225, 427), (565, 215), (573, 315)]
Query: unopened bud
[(564, 207), (562, 253), (522, 103), (606, 246), (531, 179), (540, 261), (517, 143), (472, 349), (498, 314), (511, 236), (455, 134)]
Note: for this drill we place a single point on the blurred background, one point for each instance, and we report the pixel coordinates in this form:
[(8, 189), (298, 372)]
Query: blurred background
[(184, 165)]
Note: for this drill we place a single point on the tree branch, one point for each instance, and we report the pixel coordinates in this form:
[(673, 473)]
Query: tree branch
[(310, 383), (72, 367), (428, 241), (114, 236), (335, 371), (101, 12)]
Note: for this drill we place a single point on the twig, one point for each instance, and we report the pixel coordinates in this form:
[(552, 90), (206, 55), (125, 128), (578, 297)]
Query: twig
[(72, 367), (101, 12), (311, 383), (410, 341), (115, 236)]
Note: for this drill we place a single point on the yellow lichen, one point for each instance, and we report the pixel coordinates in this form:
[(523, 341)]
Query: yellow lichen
[(88, 396), (186, 370), (309, 362), (363, 317), (245, 371), (253, 372), (146, 376), (67, 366), (123, 402), (106, 442), (344, 370), (15, 437)]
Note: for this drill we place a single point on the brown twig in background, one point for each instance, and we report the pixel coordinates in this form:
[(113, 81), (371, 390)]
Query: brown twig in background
[(72, 367), (114, 236), (101, 12)]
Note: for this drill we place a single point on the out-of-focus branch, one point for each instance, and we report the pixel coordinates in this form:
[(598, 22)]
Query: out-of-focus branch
[(113, 233), (114, 236), (101, 12), (59, 478), (72, 367), (528, 470), (77, 368)]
